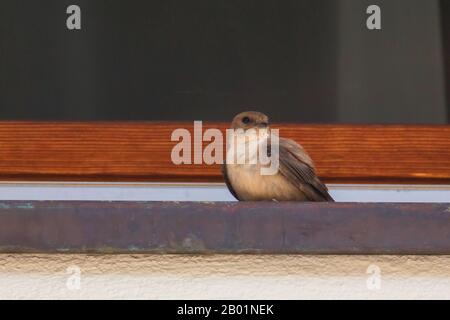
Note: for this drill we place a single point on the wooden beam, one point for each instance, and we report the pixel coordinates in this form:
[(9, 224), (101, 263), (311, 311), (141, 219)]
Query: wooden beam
[(250, 227), (140, 151)]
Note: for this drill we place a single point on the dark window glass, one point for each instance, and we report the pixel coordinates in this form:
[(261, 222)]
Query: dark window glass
[(296, 60)]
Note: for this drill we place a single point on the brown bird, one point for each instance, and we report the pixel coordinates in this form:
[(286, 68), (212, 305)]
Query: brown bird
[(295, 179)]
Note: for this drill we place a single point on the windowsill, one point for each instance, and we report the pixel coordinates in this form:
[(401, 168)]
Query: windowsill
[(163, 191), (224, 227)]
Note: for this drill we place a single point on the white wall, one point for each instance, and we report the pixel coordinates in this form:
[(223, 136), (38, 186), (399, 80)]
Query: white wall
[(223, 277)]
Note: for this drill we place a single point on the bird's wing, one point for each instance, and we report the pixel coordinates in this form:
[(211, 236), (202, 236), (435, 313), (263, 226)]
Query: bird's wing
[(297, 167), (227, 181)]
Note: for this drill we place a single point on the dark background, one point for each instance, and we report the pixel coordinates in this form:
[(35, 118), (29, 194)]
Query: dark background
[(296, 60)]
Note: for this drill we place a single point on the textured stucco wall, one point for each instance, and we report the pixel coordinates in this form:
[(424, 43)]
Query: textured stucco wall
[(223, 276)]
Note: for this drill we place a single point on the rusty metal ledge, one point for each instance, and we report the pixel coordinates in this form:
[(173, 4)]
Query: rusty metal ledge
[(224, 227)]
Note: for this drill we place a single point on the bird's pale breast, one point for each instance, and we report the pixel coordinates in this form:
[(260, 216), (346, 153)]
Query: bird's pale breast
[(251, 185)]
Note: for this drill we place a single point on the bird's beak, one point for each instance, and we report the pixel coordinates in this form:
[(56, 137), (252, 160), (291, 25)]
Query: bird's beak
[(262, 125)]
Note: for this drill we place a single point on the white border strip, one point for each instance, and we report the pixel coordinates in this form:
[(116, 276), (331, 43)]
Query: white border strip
[(144, 191)]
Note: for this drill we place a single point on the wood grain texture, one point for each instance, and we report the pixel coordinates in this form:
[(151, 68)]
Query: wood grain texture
[(140, 151)]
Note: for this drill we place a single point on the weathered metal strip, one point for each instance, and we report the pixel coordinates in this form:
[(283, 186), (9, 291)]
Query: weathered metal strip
[(230, 227)]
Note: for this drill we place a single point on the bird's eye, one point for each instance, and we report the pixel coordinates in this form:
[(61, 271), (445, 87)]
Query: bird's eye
[(245, 120)]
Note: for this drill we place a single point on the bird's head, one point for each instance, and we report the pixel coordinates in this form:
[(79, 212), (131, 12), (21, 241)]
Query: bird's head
[(250, 120)]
